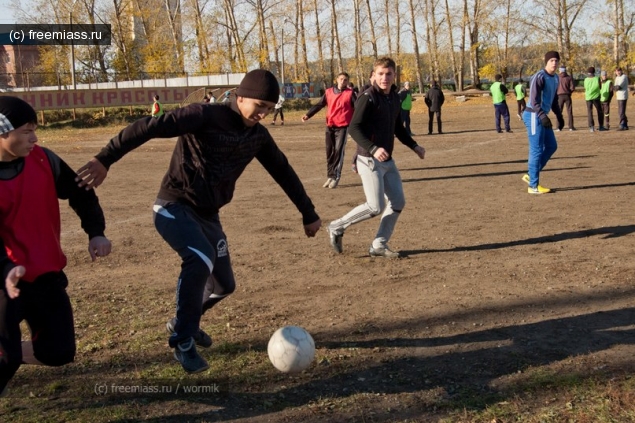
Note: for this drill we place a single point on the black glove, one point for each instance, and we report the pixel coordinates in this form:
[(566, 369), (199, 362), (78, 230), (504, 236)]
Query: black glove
[(546, 122)]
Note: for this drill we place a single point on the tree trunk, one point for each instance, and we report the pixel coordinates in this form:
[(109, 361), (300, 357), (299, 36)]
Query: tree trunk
[(373, 38), (263, 53), (318, 35), (398, 24), (305, 58), (455, 71), (473, 27), (296, 44), (388, 17), (201, 36), (173, 9), (275, 49), (358, 38), (336, 39), (415, 44)]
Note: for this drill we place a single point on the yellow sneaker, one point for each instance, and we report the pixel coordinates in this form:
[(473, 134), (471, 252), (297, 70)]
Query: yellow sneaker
[(538, 190), (526, 178)]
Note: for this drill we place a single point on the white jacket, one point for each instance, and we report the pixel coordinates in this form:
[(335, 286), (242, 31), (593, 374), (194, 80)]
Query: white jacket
[(621, 87), (280, 101)]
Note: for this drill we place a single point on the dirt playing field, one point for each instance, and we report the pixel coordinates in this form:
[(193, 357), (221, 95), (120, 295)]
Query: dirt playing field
[(498, 287)]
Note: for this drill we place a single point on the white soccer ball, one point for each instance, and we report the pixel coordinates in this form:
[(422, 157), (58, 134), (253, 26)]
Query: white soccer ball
[(291, 349)]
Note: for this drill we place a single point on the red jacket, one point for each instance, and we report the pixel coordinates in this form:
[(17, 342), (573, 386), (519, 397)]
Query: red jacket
[(340, 107), (30, 216), (340, 110)]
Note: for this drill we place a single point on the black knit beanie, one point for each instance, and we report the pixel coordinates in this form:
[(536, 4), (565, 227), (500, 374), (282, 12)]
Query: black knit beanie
[(551, 54), (15, 112), (261, 85)]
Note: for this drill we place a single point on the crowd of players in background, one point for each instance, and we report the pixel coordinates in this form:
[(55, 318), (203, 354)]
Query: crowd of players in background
[(186, 210)]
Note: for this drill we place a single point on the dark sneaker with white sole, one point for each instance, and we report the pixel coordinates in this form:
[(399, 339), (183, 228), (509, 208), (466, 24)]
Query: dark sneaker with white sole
[(383, 252), (186, 354), (201, 338)]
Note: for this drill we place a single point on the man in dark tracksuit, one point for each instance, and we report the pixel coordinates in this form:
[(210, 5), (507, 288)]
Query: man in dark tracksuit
[(376, 121), (566, 87), (434, 100), (215, 144), (340, 102)]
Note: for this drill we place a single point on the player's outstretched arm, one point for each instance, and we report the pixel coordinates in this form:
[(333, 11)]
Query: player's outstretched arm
[(312, 229), (99, 246), (92, 174), (11, 282)]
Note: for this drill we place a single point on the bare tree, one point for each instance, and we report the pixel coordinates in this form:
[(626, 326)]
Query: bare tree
[(464, 25), (173, 11), (371, 26), (457, 73), (335, 45), (398, 30), (505, 60), (357, 26), (499, 29), (388, 17), (121, 37), (623, 24), (560, 16), (431, 37), (274, 39), (201, 34), (306, 74), (415, 42), (319, 40), (234, 36), (96, 60), (296, 48), (473, 25), (263, 44)]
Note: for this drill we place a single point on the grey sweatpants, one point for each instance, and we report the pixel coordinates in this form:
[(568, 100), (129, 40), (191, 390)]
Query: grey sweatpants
[(384, 192)]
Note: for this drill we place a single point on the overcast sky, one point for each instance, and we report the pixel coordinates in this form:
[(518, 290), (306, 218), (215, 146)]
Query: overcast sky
[(7, 14)]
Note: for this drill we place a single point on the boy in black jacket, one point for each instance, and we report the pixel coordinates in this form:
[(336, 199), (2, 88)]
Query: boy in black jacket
[(376, 121), (434, 100), (215, 144)]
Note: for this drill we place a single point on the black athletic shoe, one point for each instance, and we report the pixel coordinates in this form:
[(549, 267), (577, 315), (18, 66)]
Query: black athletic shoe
[(201, 338), (186, 354)]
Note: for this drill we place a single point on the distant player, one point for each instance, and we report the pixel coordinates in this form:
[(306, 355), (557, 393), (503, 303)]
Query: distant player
[(340, 103), (542, 141)]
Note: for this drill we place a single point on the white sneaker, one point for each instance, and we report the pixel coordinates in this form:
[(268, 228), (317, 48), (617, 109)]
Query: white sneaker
[(327, 183), (383, 252), (335, 240)]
